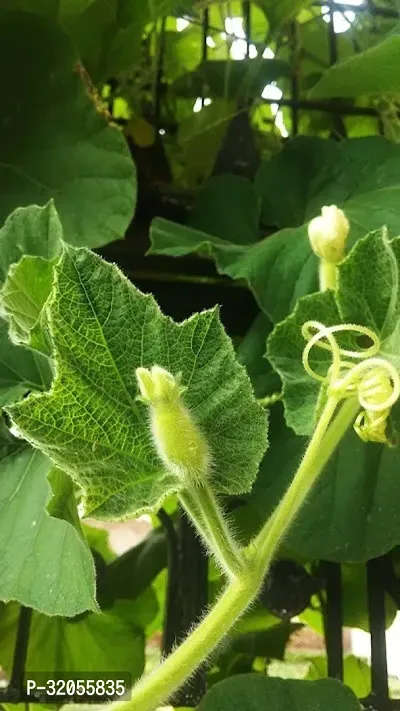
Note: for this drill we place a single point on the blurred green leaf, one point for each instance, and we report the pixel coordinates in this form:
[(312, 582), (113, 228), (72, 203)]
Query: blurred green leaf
[(227, 206), (356, 673), (45, 561), (56, 141), (359, 175), (353, 512), (253, 692), (374, 71), (94, 643), (230, 79), (132, 573)]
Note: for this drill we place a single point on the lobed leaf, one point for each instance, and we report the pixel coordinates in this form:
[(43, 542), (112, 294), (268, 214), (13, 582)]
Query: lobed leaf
[(90, 423)]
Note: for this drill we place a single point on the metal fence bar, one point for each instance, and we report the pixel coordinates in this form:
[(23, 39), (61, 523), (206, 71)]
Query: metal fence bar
[(333, 618), (377, 625)]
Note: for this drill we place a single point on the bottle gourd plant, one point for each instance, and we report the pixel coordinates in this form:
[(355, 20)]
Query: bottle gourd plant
[(140, 407)]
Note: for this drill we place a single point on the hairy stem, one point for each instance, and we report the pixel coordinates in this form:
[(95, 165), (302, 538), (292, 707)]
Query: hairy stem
[(204, 510), (325, 439), (180, 665), (327, 275)]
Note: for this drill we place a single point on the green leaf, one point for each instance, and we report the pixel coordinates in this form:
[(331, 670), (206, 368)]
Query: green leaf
[(227, 206), (22, 299), (282, 12), (354, 601), (132, 573), (359, 175), (200, 136), (56, 141), (229, 79), (253, 692), (21, 369), (251, 353), (356, 673), (30, 230), (270, 642), (37, 231), (90, 423), (45, 562), (95, 643), (368, 294), (352, 513), (374, 71), (109, 33), (285, 349)]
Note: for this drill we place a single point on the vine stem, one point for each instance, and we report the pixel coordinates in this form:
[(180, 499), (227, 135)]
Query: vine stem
[(158, 686), (203, 508)]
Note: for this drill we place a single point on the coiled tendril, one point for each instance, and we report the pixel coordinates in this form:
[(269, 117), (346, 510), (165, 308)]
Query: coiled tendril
[(372, 379)]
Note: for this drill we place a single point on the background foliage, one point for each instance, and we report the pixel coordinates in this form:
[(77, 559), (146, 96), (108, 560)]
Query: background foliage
[(87, 85)]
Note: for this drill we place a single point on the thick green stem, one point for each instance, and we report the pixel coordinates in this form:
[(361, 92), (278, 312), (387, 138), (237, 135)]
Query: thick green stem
[(327, 275), (324, 441), (158, 686), (203, 508)]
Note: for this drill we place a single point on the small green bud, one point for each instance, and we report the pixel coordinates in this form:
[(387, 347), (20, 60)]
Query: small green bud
[(328, 234), (179, 441)]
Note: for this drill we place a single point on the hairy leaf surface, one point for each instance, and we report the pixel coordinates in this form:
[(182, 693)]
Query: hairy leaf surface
[(90, 422)]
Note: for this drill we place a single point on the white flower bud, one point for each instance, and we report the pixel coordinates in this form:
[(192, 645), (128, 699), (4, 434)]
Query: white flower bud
[(328, 234)]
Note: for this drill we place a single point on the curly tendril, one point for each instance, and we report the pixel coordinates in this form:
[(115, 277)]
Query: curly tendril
[(372, 379)]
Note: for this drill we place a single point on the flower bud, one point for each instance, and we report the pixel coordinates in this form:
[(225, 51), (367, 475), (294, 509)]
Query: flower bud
[(179, 441), (328, 234)]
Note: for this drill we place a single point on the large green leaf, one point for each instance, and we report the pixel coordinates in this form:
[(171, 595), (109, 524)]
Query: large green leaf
[(200, 136), (55, 141), (90, 423), (227, 206), (359, 175), (110, 642), (45, 561), (351, 514), (109, 33), (374, 71), (357, 494), (251, 353), (356, 673), (255, 692)]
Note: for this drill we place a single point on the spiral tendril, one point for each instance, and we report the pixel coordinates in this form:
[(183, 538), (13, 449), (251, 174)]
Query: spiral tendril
[(373, 380)]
